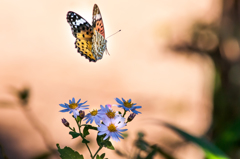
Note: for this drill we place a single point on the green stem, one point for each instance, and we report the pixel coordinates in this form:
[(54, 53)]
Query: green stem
[(124, 113), (71, 128), (97, 152), (79, 128), (88, 148)]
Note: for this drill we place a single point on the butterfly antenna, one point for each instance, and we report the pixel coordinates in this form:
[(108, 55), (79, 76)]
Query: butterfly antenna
[(109, 37), (113, 34)]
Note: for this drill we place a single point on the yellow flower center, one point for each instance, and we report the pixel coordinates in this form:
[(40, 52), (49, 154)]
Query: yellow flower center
[(94, 112), (112, 128), (73, 105), (111, 114), (127, 104)]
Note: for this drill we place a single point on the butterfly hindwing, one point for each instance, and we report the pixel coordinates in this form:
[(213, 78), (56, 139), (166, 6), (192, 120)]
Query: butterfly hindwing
[(84, 43), (99, 45)]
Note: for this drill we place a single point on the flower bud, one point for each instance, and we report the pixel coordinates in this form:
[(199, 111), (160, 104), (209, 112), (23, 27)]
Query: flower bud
[(65, 122), (131, 117), (109, 105), (81, 114)]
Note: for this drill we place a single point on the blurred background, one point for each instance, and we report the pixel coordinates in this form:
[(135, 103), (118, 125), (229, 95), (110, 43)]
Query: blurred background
[(178, 59)]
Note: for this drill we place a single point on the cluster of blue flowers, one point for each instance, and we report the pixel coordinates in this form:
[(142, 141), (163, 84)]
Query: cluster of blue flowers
[(110, 122)]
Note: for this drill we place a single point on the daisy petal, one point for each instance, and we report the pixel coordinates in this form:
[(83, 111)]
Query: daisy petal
[(64, 110), (63, 105), (73, 100), (71, 107), (118, 100)]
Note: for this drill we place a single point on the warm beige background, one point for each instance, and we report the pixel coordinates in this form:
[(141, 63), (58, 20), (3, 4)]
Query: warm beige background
[(37, 49)]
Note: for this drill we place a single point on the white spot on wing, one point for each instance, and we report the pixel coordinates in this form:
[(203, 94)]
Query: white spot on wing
[(79, 21), (98, 16)]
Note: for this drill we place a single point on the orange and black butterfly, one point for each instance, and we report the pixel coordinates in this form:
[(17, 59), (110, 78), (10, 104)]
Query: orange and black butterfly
[(90, 40)]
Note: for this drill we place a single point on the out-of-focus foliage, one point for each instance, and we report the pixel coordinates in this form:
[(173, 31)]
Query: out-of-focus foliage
[(144, 150), (211, 151), (6, 104), (43, 156), (220, 41), (141, 145), (229, 138), (23, 95), (2, 153)]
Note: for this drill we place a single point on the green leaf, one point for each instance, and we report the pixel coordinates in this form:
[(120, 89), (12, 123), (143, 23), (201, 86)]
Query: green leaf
[(211, 151), (90, 126), (85, 141), (102, 155), (86, 128), (68, 153), (100, 140), (74, 134), (98, 157), (108, 145), (85, 131)]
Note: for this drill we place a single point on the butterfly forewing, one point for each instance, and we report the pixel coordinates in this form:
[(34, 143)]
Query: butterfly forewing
[(97, 21), (76, 22), (83, 32)]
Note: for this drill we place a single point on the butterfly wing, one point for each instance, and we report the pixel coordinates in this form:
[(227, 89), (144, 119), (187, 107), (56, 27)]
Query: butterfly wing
[(99, 42), (97, 21), (83, 33), (99, 45)]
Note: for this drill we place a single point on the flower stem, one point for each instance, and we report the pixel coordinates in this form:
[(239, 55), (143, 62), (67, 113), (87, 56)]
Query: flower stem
[(71, 128), (88, 148), (79, 128), (124, 113), (97, 152)]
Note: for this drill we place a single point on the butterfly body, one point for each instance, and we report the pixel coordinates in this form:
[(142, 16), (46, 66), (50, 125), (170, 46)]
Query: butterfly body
[(90, 40)]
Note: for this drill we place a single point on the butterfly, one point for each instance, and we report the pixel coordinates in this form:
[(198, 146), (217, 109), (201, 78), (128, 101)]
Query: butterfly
[(90, 40)]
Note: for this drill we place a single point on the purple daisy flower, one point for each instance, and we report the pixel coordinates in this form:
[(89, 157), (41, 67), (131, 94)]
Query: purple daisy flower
[(112, 128), (74, 107), (128, 105)]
